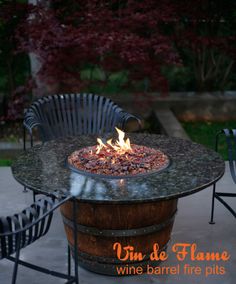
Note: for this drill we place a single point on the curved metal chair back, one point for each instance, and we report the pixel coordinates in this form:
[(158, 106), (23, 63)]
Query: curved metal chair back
[(230, 135), (22, 229), (74, 114), (230, 139)]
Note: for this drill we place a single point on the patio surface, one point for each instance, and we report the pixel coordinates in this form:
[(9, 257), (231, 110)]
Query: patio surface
[(191, 226)]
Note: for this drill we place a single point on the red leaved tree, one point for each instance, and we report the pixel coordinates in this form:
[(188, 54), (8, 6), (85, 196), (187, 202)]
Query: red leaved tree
[(85, 45), (109, 36)]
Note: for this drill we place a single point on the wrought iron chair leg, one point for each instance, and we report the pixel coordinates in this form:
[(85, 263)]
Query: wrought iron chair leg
[(75, 241), (69, 260), (15, 269), (24, 139), (24, 148), (34, 199), (213, 205), (31, 145), (25, 189), (218, 197), (16, 263), (31, 140)]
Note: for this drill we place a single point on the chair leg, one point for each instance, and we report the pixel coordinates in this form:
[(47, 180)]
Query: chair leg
[(213, 205), (25, 190), (69, 260), (24, 139), (34, 199), (24, 148), (16, 262), (75, 241)]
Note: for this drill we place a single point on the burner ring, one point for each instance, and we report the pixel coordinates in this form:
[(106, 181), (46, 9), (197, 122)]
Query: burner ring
[(159, 163)]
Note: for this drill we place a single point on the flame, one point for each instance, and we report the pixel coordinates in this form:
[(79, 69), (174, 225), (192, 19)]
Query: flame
[(121, 145), (100, 145)]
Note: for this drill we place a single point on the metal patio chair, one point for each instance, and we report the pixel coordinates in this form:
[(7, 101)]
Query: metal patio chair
[(64, 115), (230, 139), (58, 116), (22, 229)]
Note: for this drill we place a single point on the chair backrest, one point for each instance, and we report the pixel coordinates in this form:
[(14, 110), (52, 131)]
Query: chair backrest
[(20, 230), (230, 135), (73, 114)]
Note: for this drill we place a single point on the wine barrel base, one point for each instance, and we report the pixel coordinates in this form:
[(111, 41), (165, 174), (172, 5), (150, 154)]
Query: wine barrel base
[(100, 226), (118, 269)]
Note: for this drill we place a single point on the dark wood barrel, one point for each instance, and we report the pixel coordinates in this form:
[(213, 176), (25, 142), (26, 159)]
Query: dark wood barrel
[(99, 226)]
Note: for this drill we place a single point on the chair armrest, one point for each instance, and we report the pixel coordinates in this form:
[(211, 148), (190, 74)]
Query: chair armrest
[(30, 121), (230, 136), (36, 212), (229, 133), (127, 116)]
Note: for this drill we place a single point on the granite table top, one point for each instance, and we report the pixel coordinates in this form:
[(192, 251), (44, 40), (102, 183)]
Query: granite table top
[(193, 167)]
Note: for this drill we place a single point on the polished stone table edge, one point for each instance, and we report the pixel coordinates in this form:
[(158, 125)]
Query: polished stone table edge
[(122, 201), (55, 194)]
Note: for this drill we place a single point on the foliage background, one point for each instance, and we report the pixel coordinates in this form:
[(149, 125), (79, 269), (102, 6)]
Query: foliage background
[(114, 47)]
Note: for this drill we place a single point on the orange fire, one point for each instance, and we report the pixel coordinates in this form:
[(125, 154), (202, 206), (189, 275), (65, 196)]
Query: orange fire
[(121, 146)]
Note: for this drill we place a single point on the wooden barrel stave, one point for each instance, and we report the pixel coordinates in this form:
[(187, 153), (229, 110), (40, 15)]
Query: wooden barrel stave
[(102, 225)]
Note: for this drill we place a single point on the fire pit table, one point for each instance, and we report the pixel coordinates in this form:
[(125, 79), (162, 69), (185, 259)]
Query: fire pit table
[(135, 210)]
